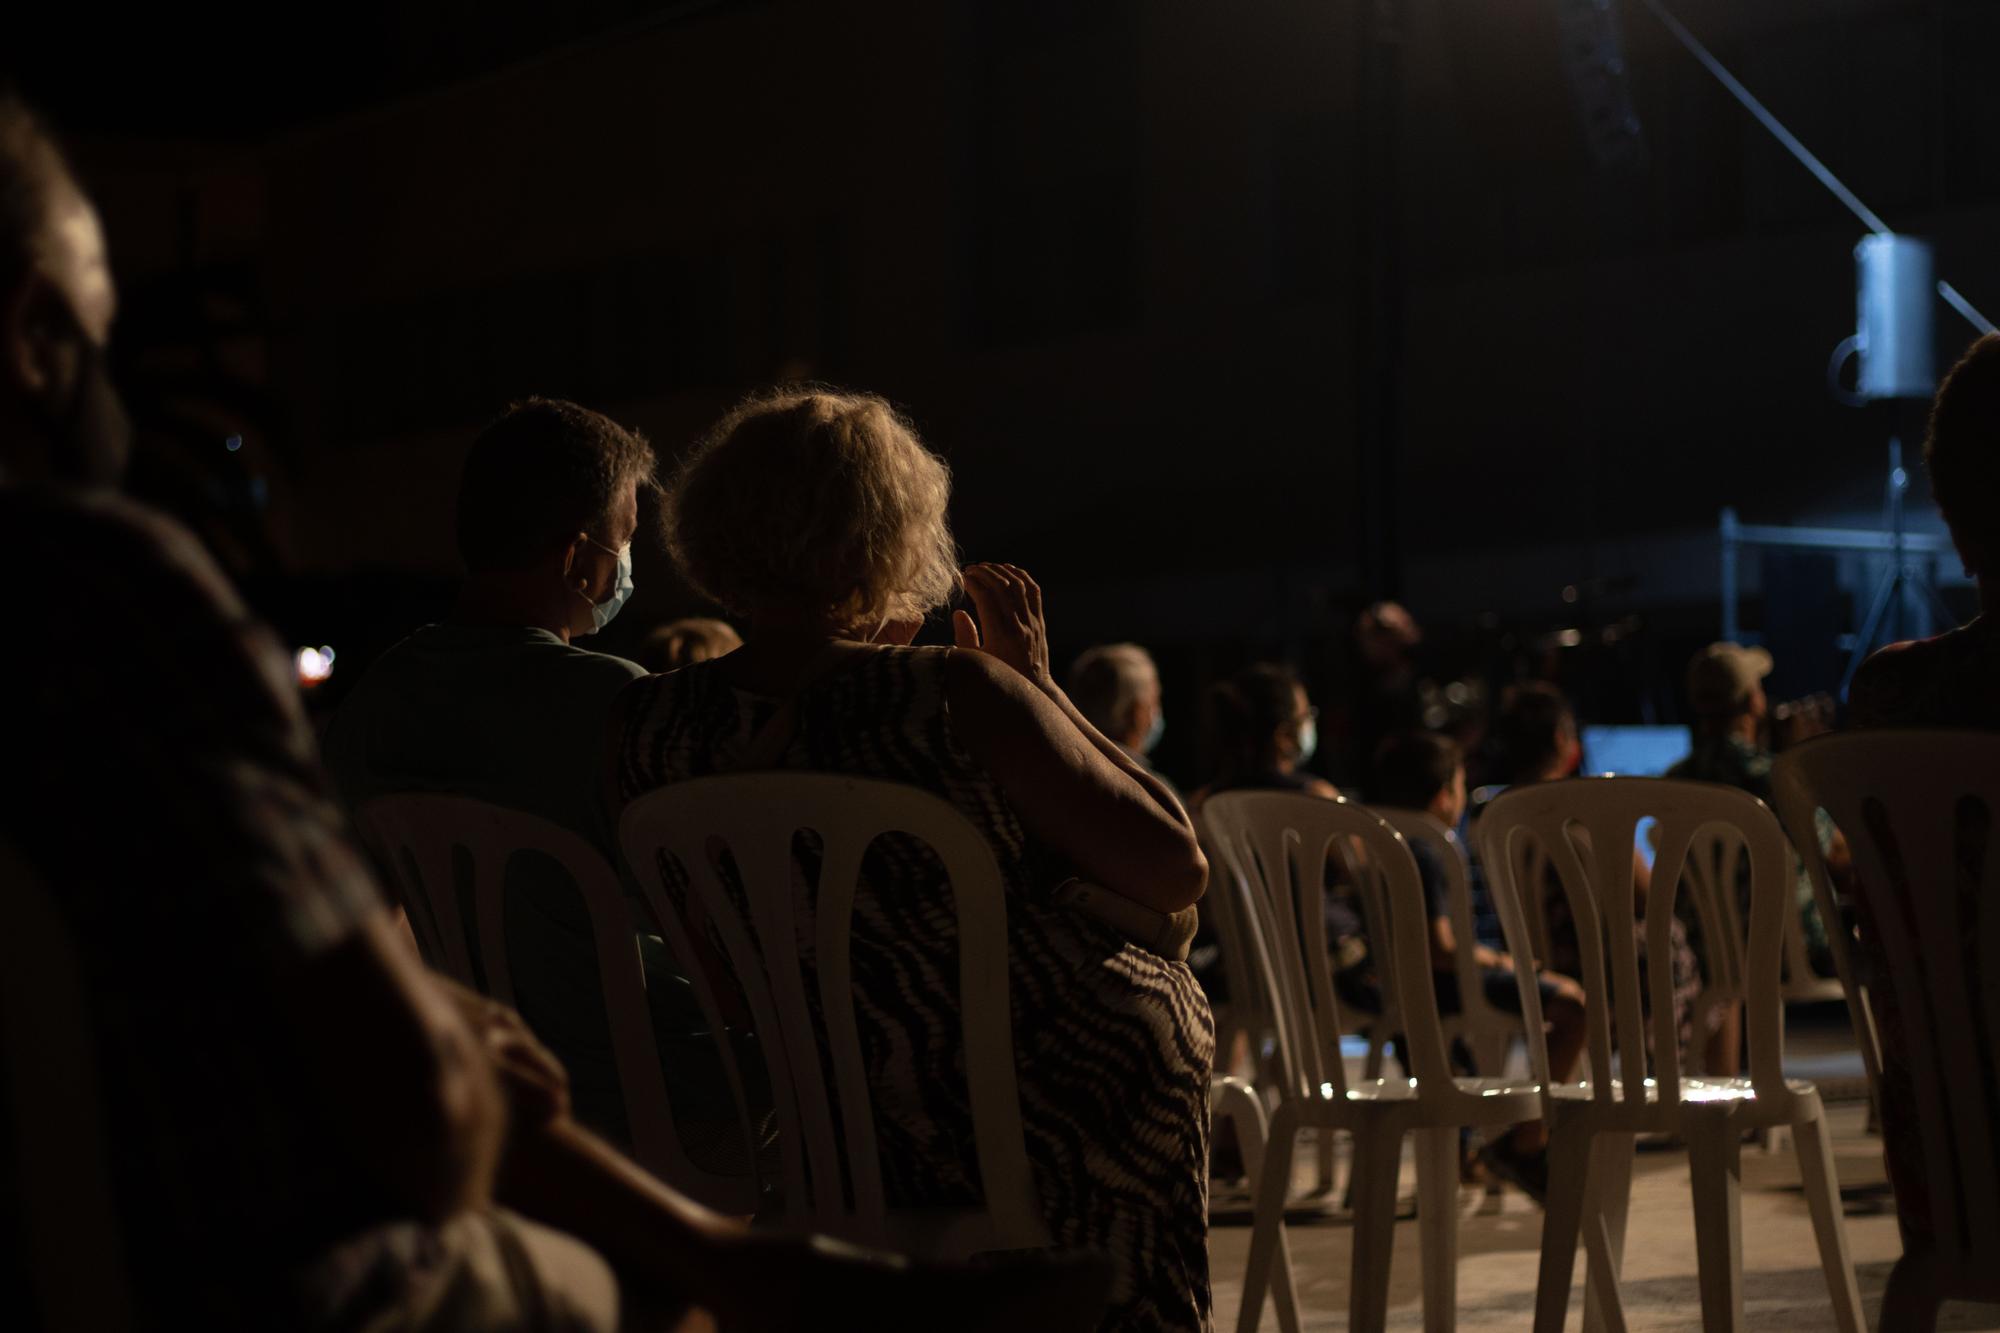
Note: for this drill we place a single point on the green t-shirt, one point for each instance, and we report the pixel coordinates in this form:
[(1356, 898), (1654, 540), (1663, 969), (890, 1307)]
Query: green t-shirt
[(515, 717), (500, 713)]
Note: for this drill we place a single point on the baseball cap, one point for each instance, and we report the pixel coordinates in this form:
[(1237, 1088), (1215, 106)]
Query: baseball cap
[(1722, 675)]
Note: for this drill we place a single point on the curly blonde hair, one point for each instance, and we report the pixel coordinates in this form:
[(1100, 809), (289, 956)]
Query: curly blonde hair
[(806, 501)]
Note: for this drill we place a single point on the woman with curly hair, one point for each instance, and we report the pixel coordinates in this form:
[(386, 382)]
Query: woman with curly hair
[(818, 520)]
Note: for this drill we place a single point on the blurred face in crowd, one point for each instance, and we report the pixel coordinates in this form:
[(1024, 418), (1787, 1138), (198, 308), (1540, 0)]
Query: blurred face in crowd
[(1299, 737), (1449, 807), (68, 424)]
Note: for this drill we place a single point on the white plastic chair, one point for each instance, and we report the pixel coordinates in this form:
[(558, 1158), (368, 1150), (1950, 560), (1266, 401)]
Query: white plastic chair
[(1488, 1031), (420, 838), (75, 1246), (756, 817), (1586, 827), (1274, 847), (1249, 1010), (1237, 1102), (1907, 802)]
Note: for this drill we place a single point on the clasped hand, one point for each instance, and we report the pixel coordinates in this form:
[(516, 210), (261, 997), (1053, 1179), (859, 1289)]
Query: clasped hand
[(1009, 623)]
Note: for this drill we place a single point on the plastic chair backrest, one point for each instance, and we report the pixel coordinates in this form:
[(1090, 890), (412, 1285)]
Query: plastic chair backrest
[(757, 817), (1249, 1009), (1278, 843), (75, 1244), (1919, 809), (1715, 861), (1588, 828), (1417, 826), (424, 839)]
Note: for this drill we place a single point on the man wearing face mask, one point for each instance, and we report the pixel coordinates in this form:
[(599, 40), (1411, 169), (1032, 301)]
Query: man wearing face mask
[(500, 702), (1117, 689)]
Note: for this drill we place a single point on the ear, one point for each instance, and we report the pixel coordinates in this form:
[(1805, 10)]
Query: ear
[(571, 554), (32, 357)]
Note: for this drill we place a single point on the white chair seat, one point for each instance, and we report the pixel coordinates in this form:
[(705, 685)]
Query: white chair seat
[(1694, 1091), (1510, 1100)]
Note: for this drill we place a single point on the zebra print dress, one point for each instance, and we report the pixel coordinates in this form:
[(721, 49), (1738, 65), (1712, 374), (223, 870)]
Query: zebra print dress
[(1113, 1044)]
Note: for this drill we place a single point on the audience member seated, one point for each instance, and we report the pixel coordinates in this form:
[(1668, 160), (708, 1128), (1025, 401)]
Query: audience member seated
[(680, 643), (304, 1130), (1117, 689), (1264, 729), (1424, 771), (1952, 680), (818, 519), (500, 703), (1731, 713), (1538, 742)]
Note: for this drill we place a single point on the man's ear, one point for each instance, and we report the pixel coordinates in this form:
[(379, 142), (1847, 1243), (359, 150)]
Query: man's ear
[(571, 554), (30, 352)]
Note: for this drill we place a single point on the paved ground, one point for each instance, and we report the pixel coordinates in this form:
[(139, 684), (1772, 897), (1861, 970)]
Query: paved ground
[(1499, 1240)]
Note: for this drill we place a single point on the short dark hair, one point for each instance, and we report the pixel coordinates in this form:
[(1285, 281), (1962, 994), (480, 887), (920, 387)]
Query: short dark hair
[(31, 169), (1246, 711), (1534, 725), (1962, 448), (543, 472), (1411, 769)]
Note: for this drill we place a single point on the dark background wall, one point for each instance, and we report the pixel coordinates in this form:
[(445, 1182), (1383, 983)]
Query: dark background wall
[(1109, 256)]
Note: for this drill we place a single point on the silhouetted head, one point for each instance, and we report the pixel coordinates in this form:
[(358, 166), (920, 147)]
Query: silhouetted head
[(1421, 770), (60, 418), (684, 642), (1263, 721), (1962, 451), (1117, 689), (549, 500), (1536, 734)]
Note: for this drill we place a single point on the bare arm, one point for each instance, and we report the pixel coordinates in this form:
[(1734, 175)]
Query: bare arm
[(1075, 790), (404, 1079)]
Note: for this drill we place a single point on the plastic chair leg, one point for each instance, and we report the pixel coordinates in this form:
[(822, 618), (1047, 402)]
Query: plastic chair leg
[(1323, 1159), (1715, 1162), (1239, 1104), (1437, 1223), (1378, 1158), (1608, 1202), (1273, 1185), (1562, 1219), (1815, 1150)]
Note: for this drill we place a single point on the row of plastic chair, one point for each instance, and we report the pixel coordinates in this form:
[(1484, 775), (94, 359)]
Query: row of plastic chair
[(426, 839), (832, 1176), (1272, 849)]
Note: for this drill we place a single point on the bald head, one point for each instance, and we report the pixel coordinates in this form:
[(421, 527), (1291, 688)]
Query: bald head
[(59, 417)]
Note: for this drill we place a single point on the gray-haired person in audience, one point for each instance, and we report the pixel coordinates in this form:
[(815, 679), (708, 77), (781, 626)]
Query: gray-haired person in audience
[(303, 1128), (1117, 688)]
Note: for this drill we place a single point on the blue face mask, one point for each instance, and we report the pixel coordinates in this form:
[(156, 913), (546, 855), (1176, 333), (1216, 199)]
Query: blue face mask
[(1153, 733), (601, 613), (1308, 739)]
